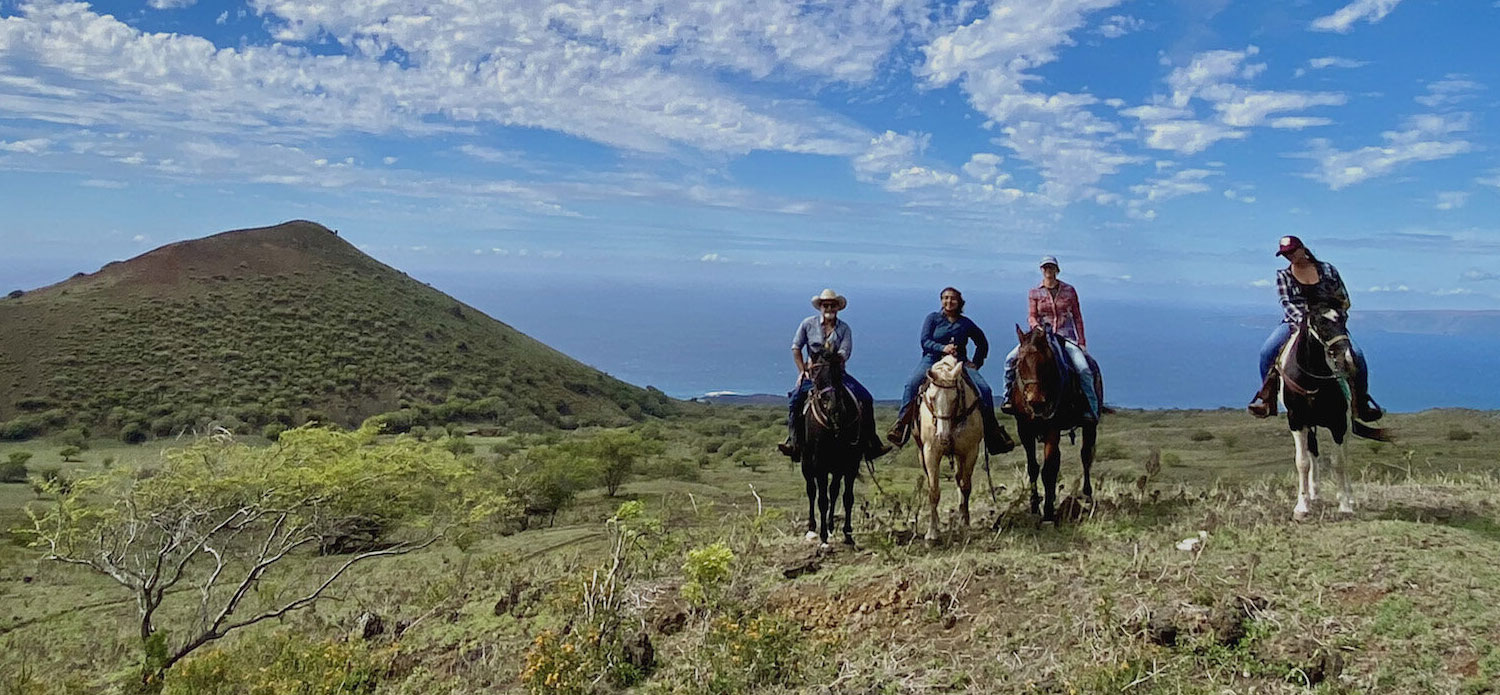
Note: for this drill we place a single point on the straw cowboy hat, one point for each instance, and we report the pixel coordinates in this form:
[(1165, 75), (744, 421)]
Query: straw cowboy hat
[(828, 295)]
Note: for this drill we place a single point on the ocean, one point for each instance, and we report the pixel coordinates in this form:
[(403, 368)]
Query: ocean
[(692, 341)]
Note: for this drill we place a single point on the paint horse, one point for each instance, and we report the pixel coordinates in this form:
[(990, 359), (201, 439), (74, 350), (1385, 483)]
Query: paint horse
[(1315, 366)]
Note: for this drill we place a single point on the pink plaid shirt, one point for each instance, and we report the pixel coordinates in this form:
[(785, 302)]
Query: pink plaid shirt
[(1062, 313)]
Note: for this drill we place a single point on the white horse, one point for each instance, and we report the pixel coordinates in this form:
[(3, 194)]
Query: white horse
[(949, 424)]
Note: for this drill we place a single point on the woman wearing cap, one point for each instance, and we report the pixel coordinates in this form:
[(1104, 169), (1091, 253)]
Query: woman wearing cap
[(826, 328), (1308, 284), (1054, 303), (948, 332)]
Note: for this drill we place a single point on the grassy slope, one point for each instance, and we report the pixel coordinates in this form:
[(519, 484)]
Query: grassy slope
[(282, 324), (1405, 598)]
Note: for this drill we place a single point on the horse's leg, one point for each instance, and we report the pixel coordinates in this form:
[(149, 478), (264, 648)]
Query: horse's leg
[(965, 476), (1032, 469), (1338, 455), (1051, 462), (849, 504), (812, 496), (1316, 464), (934, 462), (824, 508), (1090, 436), (1304, 471)]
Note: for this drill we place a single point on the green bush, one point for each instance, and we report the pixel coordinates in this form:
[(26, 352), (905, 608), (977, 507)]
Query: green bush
[(1200, 435), (458, 446), (707, 573), (22, 428), (13, 471), (273, 431), (134, 433), (1459, 434), (283, 664), (69, 453)]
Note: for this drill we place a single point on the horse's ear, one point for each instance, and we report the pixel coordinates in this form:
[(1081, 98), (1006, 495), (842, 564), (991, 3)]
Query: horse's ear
[(1020, 337)]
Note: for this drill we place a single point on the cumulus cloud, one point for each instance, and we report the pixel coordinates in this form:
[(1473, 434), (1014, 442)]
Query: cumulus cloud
[(1335, 62), (1188, 137), (1343, 20), (28, 146), (170, 4), (1425, 137)]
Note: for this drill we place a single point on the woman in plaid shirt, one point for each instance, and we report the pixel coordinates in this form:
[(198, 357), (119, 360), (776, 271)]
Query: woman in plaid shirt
[(1308, 284), (1055, 303)]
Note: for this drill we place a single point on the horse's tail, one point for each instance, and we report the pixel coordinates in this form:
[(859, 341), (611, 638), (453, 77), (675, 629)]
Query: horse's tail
[(1378, 434)]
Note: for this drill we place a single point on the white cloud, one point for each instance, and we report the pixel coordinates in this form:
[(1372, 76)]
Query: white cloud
[(1492, 180), (1120, 25), (985, 167), (139, 238), (1390, 288), (1426, 137), (1335, 62), (990, 57), (1299, 122), (1453, 292), (223, 18), (1451, 200), (1343, 20), (1453, 89), (1246, 109), (1188, 137), (170, 4), (1181, 183), (1262, 282), (103, 183), (712, 258), (1477, 275), (1208, 74), (1238, 196), (28, 146), (388, 160)]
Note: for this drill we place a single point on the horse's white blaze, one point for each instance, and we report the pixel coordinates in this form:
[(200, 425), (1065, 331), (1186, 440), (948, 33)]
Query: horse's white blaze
[(1304, 472)]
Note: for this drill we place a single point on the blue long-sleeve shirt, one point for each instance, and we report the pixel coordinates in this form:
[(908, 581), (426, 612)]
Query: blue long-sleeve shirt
[(938, 332)]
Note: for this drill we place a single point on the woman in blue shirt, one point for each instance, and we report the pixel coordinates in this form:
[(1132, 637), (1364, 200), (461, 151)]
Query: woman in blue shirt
[(948, 332)]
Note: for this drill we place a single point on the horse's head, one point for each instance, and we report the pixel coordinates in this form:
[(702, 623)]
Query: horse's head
[(945, 394), (1036, 383), (827, 375), (1328, 329)]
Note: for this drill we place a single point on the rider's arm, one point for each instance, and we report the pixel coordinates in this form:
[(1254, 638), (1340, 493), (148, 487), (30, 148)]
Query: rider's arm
[(846, 345), (1291, 299), (1078, 320), (1341, 291), (930, 346), (1033, 310), (981, 345), (797, 360), (798, 341)]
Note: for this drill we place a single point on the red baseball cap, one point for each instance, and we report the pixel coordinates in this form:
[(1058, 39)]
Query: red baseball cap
[(1288, 245)]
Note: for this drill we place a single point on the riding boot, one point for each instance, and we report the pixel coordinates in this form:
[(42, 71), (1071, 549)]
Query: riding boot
[(901, 431), (792, 448), (996, 439), (1007, 406), (1264, 405), (1365, 407)]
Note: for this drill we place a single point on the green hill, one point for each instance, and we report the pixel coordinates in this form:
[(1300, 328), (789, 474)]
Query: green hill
[(278, 325)]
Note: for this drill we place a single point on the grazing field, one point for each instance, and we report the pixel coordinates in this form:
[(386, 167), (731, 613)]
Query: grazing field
[(694, 577)]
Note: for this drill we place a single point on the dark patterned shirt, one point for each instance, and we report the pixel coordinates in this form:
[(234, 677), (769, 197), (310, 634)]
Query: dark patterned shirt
[(1298, 299)]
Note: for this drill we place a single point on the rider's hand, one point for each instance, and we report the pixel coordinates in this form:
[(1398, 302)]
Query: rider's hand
[(950, 349)]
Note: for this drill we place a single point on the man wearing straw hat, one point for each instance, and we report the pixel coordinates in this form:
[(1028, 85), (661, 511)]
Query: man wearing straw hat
[(826, 328)]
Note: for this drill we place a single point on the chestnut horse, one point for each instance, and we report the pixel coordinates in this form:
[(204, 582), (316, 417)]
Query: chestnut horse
[(949, 425), (831, 453), (1046, 406)]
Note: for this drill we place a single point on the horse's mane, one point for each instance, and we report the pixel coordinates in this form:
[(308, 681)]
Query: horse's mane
[(946, 372)]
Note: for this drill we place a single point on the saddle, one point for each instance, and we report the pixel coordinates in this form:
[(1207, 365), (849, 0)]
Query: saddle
[(1075, 405), (809, 409)]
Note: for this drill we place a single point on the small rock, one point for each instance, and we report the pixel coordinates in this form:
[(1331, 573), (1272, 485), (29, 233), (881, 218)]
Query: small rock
[(1161, 632), (807, 566), (1189, 544)]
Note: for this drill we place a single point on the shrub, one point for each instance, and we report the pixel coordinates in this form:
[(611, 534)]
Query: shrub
[(133, 433), (1111, 450), (707, 572), (75, 436), (273, 431), (458, 446), (284, 664), (1459, 434), (1200, 435), (69, 453), (21, 428), (13, 471), (753, 653)]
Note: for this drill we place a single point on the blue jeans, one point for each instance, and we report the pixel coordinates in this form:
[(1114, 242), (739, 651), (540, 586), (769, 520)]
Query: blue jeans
[(1080, 365), (1271, 349), (910, 392)]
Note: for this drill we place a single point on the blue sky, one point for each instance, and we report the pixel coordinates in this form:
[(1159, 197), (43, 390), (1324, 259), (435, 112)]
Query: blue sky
[(1158, 147)]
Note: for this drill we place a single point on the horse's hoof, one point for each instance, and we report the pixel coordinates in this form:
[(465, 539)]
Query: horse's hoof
[(849, 540), (1299, 516), (1346, 511), (824, 548), (811, 536)]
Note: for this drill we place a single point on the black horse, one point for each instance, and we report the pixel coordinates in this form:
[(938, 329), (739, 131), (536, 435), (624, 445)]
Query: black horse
[(1315, 368), (831, 455), (1046, 405)]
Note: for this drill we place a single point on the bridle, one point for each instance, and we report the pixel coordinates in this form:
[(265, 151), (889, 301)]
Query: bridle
[(827, 416), (1054, 399)]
